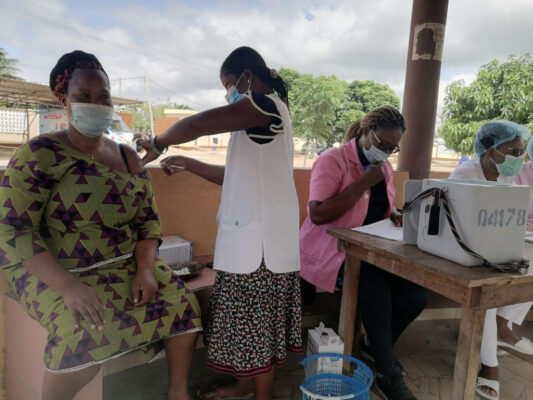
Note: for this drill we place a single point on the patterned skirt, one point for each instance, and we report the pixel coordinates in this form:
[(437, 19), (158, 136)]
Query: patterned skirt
[(172, 311), (253, 319)]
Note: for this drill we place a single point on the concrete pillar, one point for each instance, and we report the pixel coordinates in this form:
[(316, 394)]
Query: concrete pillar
[(424, 57)]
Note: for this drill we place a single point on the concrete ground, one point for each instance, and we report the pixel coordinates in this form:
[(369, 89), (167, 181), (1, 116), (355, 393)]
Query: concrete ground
[(426, 350)]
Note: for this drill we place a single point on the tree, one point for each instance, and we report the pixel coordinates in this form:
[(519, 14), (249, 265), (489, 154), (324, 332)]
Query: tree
[(314, 103), (324, 107), (501, 90), (8, 67), (368, 95), (362, 97)]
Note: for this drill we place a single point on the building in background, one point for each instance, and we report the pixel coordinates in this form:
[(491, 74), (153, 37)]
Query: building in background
[(209, 142)]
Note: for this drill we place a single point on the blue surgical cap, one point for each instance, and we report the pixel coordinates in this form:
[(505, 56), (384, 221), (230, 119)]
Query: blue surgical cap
[(494, 133)]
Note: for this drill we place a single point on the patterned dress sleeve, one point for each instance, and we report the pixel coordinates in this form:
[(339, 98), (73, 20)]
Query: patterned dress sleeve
[(147, 220), (24, 193), (265, 105)]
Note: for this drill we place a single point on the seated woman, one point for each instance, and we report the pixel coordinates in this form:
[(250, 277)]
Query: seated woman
[(352, 186), (499, 147), (79, 232)]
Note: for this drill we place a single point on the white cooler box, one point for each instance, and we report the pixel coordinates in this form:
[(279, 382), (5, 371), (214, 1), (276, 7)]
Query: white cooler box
[(324, 340), (175, 250), (490, 218)]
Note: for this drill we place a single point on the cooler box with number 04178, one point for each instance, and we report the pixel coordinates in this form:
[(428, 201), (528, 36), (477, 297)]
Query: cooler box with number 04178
[(490, 218)]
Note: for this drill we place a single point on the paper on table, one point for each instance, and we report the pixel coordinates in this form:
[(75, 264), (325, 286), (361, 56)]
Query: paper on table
[(384, 229)]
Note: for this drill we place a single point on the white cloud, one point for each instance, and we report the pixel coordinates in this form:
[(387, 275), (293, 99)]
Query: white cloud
[(181, 45)]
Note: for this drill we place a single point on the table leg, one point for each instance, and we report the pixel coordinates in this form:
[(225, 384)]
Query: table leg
[(467, 357), (352, 267)]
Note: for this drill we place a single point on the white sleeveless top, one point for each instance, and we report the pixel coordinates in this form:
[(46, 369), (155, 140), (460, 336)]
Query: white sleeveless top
[(258, 215)]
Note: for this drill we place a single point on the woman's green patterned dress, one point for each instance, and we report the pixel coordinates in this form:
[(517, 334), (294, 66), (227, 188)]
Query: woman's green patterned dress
[(57, 199)]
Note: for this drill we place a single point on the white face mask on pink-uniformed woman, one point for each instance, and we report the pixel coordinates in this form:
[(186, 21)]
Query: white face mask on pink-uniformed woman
[(374, 155)]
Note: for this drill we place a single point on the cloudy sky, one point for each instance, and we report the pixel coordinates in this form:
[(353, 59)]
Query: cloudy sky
[(180, 45)]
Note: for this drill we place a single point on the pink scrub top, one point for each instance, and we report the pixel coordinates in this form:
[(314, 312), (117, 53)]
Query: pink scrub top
[(525, 177), (332, 173)]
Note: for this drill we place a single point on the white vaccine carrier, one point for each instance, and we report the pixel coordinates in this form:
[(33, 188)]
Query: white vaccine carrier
[(490, 218), (324, 340)]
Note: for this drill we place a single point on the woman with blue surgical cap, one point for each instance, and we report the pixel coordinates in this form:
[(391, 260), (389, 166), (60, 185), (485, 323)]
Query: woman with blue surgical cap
[(499, 147), (525, 177)]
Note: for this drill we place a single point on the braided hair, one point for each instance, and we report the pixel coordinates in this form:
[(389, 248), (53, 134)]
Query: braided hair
[(66, 65), (381, 117), (247, 58)]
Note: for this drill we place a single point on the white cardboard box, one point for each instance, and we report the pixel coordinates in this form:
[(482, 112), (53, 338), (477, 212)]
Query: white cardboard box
[(324, 340), (175, 250)]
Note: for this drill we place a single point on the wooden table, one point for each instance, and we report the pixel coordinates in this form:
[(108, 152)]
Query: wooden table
[(475, 289)]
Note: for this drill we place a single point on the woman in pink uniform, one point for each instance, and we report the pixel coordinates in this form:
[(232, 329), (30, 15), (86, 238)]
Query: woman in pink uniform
[(352, 186)]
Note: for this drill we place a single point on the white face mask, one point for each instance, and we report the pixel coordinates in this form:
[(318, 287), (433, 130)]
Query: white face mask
[(91, 119), (374, 155)]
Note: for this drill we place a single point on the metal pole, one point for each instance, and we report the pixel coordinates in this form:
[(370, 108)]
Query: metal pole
[(26, 136), (149, 95), (424, 57), (120, 87)]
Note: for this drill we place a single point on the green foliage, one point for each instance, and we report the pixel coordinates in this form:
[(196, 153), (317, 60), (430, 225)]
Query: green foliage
[(314, 103), (368, 95), (501, 90), (324, 107), (141, 114), (362, 97), (8, 67)]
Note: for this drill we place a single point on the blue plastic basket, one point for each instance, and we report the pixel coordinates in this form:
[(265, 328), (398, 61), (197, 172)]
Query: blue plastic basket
[(325, 386)]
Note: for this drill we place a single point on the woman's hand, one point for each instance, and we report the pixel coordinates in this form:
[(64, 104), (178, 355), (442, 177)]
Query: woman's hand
[(83, 301), (143, 287), (173, 164), (146, 146), (397, 219), (375, 174)]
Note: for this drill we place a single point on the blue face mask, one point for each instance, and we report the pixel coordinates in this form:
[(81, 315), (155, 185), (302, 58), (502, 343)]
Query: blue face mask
[(90, 119), (511, 165), (233, 94)]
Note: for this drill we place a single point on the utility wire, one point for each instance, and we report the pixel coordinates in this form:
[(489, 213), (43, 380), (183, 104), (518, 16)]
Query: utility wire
[(169, 92), (56, 24), (177, 95)]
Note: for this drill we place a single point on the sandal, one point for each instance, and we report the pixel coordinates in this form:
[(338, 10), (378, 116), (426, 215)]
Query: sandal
[(523, 346), (489, 383)]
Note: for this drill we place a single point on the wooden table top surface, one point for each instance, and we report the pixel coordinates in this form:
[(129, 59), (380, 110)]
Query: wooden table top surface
[(411, 256)]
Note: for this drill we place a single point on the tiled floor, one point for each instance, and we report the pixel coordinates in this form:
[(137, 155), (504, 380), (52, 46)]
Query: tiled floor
[(426, 350)]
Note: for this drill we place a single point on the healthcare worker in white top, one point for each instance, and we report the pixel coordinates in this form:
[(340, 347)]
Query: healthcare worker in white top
[(255, 308), (499, 147)]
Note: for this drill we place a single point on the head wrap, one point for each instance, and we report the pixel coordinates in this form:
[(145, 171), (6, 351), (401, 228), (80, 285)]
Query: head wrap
[(62, 72), (494, 133)]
